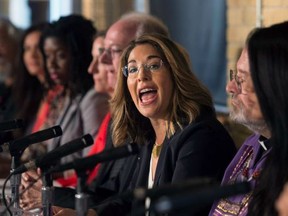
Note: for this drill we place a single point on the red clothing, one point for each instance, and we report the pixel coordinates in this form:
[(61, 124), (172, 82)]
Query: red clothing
[(46, 117), (45, 108), (98, 146)]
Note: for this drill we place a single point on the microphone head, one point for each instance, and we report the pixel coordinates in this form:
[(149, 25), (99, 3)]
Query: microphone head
[(87, 140), (57, 130), (17, 146), (52, 157)]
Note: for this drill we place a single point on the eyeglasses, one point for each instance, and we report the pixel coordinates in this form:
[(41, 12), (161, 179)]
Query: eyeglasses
[(233, 76), (113, 52), (132, 69)]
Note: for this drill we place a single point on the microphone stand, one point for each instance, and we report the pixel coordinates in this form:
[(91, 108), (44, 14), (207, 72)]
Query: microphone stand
[(15, 182), (81, 197), (47, 194)]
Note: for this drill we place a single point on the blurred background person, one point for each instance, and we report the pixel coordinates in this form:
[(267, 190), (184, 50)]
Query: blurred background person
[(96, 68), (100, 93), (99, 73), (92, 110), (9, 43), (66, 47), (30, 86), (76, 106)]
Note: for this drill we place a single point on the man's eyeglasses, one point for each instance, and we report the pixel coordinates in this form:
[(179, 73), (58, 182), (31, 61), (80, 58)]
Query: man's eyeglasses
[(113, 52), (131, 70), (233, 76)]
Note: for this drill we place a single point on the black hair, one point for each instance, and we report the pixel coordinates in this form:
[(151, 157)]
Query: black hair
[(268, 58), (76, 33), (27, 89)]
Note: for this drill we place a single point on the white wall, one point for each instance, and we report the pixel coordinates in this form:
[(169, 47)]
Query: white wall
[(59, 8), (19, 13)]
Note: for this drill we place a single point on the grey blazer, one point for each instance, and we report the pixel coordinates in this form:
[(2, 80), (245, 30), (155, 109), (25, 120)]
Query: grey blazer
[(80, 116)]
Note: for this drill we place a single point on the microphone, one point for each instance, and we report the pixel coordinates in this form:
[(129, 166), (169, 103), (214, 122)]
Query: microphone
[(56, 154), (19, 145), (198, 198), (11, 125), (105, 156)]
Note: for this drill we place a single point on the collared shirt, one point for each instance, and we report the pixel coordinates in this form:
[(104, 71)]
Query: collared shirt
[(245, 166)]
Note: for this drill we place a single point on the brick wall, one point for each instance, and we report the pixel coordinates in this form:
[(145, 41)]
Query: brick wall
[(241, 19), (105, 12), (94, 10)]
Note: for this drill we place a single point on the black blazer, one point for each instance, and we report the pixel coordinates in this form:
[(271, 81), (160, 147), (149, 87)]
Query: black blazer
[(202, 149)]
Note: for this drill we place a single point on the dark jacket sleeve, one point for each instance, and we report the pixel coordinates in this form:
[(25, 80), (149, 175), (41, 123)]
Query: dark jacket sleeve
[(201, 149), (120, 203)]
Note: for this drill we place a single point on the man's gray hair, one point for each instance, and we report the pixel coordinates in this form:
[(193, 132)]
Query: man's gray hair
[(146, 23)]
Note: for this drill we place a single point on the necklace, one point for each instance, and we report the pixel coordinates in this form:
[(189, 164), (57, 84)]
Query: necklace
[(156, 150)]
